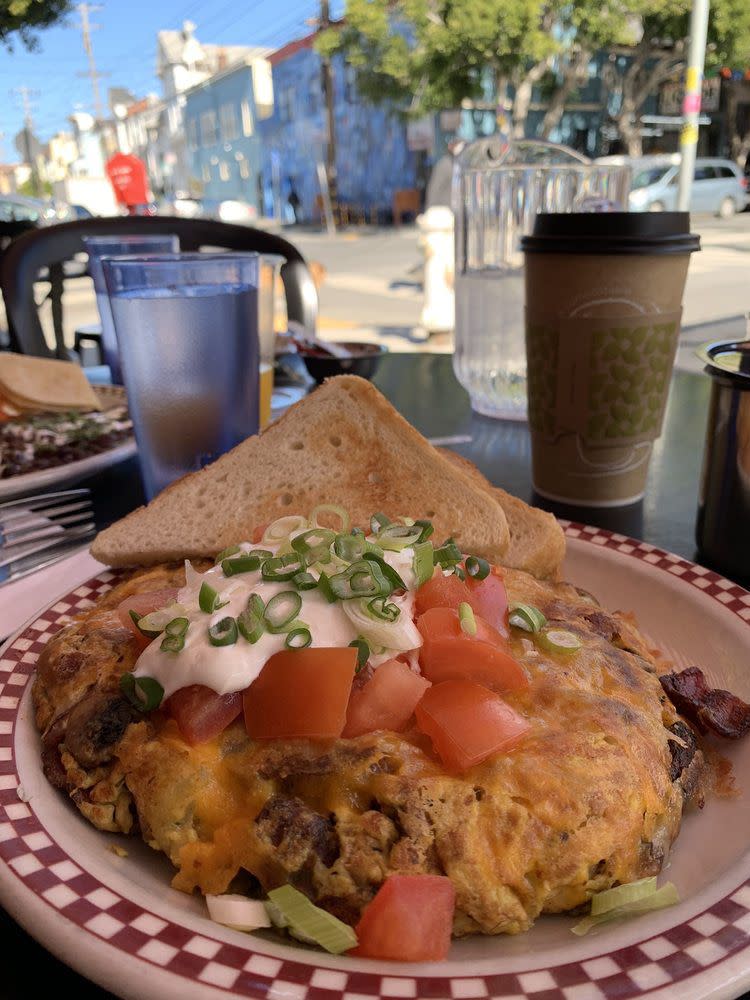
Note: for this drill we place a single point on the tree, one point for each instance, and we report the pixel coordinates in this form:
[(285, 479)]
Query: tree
[(24, 17), (428, 55), (660, 54)]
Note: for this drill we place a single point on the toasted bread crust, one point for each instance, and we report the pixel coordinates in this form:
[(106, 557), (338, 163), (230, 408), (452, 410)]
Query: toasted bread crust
[(344, 443), (537, 542)]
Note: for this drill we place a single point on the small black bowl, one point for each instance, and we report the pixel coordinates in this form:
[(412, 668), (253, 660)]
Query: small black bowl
[(363, 361)]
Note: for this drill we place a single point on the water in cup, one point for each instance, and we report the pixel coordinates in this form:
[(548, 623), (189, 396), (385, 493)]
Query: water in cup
[(191, 368)]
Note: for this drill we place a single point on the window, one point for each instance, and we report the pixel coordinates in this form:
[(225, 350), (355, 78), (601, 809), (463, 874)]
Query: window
[(193, 133), (286, 104), (244, 169), (644, 178), (247, 117), (206, 173), (228, 118), (224, 170), (725, 172), (704, 174), (209, 131)]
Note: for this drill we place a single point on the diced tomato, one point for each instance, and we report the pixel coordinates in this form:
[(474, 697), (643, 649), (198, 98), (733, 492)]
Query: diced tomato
[(441, 592), (449, 653), (467, 723), (301, 693), (485, 597), (201, 713), (409, 920), (144, 604), (386, 701), (258, 532), (489, 599)]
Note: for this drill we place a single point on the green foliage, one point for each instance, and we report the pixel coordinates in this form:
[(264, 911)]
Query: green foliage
[(432, 54), (28, 189), (24, 17)]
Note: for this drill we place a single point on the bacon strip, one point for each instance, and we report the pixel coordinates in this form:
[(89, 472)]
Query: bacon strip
[(708, 708)]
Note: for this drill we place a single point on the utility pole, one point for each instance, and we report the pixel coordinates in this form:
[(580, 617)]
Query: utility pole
[(26, 94), (84, 9), (327, 84), (691, 105)]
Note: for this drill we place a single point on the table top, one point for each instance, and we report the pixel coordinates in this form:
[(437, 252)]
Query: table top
[(424, 389)]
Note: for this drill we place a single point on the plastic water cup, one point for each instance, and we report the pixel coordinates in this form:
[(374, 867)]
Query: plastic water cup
[(187, 332), (116, 246)]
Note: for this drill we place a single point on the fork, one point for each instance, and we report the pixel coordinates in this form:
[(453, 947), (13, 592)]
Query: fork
[(36, 531)]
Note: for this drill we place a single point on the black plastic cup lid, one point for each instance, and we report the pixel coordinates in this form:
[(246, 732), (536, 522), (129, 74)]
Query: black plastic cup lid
[(611, 233), (727, 359)]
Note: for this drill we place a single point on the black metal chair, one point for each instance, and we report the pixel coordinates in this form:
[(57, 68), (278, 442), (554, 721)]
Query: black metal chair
[(50, 247)]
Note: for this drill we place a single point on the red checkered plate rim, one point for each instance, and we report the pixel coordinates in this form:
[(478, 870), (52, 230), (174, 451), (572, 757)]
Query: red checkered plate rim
[(112, 921)]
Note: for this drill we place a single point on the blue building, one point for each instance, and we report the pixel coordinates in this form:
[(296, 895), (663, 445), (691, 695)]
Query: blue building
[(221, 121), (257, 132)]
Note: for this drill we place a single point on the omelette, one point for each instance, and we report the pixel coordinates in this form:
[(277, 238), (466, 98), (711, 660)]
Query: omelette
[(590, 798)]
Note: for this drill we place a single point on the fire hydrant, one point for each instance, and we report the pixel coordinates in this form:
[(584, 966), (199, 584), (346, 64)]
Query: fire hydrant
[(436, 240)]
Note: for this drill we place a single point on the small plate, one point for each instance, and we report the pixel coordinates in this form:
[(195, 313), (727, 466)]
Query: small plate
[(116, 920)]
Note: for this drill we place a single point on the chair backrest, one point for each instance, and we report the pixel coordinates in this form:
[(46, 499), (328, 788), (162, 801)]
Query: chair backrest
[(50, 246)]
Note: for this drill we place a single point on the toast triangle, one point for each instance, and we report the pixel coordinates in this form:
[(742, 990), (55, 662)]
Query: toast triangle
[(537, 542), (343, 444)]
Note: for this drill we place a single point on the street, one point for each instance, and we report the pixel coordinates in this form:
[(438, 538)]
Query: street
[(372, 287)]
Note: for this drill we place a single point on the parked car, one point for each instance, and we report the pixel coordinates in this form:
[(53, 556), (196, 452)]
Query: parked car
[(18, 208), (719, 186)]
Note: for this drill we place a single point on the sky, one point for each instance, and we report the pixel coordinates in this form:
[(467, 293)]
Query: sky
[(124, 46)]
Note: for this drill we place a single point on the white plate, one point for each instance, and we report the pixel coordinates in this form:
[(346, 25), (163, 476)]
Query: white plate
[(116, 920), (65, 475)]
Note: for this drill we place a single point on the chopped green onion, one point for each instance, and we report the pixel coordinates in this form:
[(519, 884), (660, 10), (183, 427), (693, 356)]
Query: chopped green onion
[(150, 633), (526, 617), (298, 638), (387, 570), (363, 578), (145, 693), (558, 640), (208, 599), (448, 554), (280, 529), (304, 581), (313, 538), (423, 563), (256, 604), (466, 618), (240, 564), (279, 568), (288, 907), (250, 625), (358, 531), (223, 633), (324, 584), (363, 652), (459, 572), (174, 635), (281, 610), (654, 900), (331, 509), (231, 550), (395, 537), (476, 568), (378, 522), (349, 547), (384, 612), (608, 899), (427, 529), (318, 554)]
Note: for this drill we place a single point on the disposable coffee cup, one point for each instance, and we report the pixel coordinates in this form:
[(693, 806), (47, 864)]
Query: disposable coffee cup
[(603, 309)]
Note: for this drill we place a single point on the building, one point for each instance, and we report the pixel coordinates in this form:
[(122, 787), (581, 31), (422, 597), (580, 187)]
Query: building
[(221, 124), (182, 63), (373, 158)]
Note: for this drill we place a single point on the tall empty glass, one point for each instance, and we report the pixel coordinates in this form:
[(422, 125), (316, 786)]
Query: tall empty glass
[(187, 331), (115, 246), (499, 187)]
